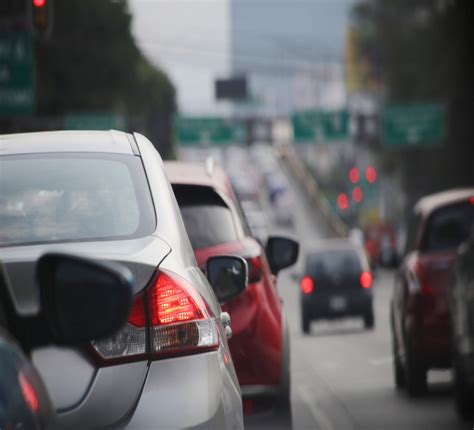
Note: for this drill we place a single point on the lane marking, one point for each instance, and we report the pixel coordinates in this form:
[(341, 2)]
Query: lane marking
[(320, 418)]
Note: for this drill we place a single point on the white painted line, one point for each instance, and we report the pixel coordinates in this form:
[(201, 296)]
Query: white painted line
[(320, 418)]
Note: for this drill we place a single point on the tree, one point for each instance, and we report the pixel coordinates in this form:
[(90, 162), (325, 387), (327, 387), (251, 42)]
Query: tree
[(424, 49), (92, 64)]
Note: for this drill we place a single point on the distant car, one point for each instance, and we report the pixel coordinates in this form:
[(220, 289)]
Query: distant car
[(216, 226), (461, 292), (337, 283), (419, 310), (381, 245), (105, 194)]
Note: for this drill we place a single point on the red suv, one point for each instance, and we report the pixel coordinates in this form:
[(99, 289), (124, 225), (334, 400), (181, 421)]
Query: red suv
[(216, 226), (419, 313)]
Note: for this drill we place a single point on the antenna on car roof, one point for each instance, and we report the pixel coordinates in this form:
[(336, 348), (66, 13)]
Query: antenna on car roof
[(210, 164)]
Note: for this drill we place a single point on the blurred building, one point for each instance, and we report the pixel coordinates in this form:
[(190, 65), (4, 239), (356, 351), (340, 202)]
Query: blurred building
[(291, 51)]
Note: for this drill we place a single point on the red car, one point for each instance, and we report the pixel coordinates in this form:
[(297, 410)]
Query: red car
[(216, 226), (381, 245), (419, 315)]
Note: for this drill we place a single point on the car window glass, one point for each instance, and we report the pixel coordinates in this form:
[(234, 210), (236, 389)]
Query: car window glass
[(327, 264), (73, 197), (208, 225), (208, 219), (448, 227)]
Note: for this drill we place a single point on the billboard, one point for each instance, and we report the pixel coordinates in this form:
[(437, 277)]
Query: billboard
[(231, 89)]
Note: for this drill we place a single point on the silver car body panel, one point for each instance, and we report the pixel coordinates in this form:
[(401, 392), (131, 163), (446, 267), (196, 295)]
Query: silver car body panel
[(195, 383), (114, 142), (205, 385), (66, 374), (141, 256), (112, 396)]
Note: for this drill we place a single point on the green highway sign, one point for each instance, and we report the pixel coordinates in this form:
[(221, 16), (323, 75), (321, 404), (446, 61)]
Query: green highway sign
[(411, 125), (192, 131), (17, 91), (95, 121), (320, 126)]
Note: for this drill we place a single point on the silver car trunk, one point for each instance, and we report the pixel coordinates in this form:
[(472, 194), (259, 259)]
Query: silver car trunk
[(69, 375)]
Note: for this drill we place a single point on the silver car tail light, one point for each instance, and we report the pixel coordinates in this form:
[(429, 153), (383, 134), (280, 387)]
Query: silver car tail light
[(130, 341), (181, 322), (168, 318)]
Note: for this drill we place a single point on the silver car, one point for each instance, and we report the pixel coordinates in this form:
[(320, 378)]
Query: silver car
[(104, 194)]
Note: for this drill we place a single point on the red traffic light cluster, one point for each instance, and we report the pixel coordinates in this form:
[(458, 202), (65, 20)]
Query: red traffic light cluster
[(357, 192), (370, 175)]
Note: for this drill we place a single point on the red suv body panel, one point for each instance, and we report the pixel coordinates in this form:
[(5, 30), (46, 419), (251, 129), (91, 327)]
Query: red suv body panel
[(420, 314), (426, 315)]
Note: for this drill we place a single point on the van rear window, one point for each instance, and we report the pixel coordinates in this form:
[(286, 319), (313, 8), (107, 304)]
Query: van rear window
[(325, 264)]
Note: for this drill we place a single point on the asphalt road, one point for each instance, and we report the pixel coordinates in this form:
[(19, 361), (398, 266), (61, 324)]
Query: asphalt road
[(341, 373)]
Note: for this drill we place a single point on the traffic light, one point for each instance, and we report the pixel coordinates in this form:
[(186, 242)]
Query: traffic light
[(357, 194), (354, 175), (370, 174), (343, 202), (41, 18)]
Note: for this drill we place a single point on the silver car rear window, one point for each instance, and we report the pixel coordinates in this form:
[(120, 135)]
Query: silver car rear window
[(73, 197)]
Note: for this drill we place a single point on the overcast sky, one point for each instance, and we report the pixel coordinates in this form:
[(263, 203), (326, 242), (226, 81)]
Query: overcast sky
[(191, 39)]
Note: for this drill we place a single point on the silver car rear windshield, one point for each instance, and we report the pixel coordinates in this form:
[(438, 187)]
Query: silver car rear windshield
[(73, 197)]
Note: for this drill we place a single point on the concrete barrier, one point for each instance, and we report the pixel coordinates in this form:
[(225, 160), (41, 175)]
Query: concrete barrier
[(301, 173)]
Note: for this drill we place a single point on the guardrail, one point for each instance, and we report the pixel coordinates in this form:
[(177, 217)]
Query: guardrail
[(301, 173)]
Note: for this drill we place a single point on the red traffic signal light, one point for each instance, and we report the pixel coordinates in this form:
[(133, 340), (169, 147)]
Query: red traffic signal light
[(357, 194), (41, 17), (342, 202), (370, 174), (354, 175)]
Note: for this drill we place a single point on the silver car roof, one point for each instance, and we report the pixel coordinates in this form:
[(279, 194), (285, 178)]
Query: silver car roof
[(111, 141)]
